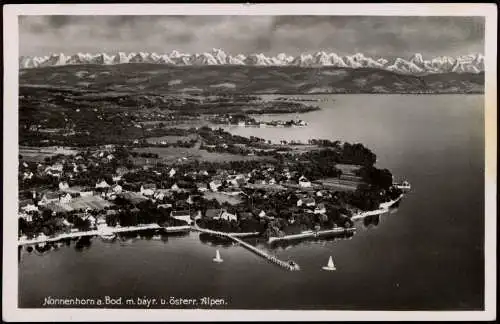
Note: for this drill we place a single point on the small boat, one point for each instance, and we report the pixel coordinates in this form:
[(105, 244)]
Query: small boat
[(330, 266), (217, 257), (405, 185)]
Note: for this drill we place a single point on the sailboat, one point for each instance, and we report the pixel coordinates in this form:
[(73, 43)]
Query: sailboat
[(330, 266), (217, 257)]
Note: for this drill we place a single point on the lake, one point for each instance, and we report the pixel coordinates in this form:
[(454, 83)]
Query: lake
[(429, 255)]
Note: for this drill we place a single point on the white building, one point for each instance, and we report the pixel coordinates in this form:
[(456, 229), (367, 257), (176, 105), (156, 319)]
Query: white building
[(66, 198), (320, 209), (63, 185), (148, 189), (303, 182), (117, 188), (215, 185), (103, 184)]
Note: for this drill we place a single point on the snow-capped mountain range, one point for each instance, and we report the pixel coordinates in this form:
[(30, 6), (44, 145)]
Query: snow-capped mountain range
[(472, 63)]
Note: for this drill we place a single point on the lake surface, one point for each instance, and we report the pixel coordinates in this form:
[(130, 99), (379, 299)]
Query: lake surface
[(429, 255)]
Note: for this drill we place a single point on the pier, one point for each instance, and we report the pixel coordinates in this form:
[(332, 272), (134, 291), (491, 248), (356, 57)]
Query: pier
[(338, 230), (250, 247)]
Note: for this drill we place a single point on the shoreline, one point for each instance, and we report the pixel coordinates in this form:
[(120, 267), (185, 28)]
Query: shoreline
[(104, 231), (384, 208)]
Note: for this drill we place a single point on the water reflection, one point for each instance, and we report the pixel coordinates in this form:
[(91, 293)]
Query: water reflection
[(209, 239), (371, 221), (83, 243)]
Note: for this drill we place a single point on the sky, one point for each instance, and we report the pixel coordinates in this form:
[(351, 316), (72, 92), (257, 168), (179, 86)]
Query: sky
[(371, 35)]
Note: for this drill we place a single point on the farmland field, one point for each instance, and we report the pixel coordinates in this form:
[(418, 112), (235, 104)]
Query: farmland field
[(339, 184), (221, 198), (170, 139), (170, 154), (38, 154)]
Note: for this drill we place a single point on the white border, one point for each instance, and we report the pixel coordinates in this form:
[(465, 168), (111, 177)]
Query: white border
[(10, 264)]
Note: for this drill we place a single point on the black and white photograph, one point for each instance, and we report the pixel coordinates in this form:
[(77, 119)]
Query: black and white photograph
[(182, 159)]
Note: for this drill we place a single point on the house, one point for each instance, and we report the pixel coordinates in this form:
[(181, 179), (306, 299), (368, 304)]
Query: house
[(117, 188), (54, 173), (201, 186), (262, 213), (215, 185), (148, 189), (227, 216), (27, 205), (116, 178), (49, 197), (239, 181), (57, 167), (26, 216), (101, 223), (175, 187), (27, 175), (102, 185), (86, 193), (92, 220), (309, 202), (161, 194), (272, 181), (63, 185), (319, 193), (303, 182), (182, 215), (120, 171), (110, 157), (171, 173), (320, 209), (65, 198)]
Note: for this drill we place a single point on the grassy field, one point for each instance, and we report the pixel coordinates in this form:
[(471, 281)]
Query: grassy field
[(339, 184), (348, 168), (221, 198), (174, 154), (170, 139), (38, 154), (92, 202)]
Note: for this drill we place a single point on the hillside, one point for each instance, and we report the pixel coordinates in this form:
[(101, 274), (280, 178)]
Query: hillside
[(159, 79)]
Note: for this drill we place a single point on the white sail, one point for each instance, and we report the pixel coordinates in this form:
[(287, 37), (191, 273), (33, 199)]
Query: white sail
[(217, 257), (330, 265)]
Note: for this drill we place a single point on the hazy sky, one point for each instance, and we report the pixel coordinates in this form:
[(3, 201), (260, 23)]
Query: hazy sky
[(371, 35)]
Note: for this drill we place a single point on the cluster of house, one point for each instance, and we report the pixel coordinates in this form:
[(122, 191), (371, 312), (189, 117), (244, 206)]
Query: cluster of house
[(70, 198), (75, 164)]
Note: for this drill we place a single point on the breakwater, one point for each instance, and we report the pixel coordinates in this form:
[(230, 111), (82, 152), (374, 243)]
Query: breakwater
[(338, 230)]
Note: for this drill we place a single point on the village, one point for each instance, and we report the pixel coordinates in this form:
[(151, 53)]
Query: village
[(98, 189)]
